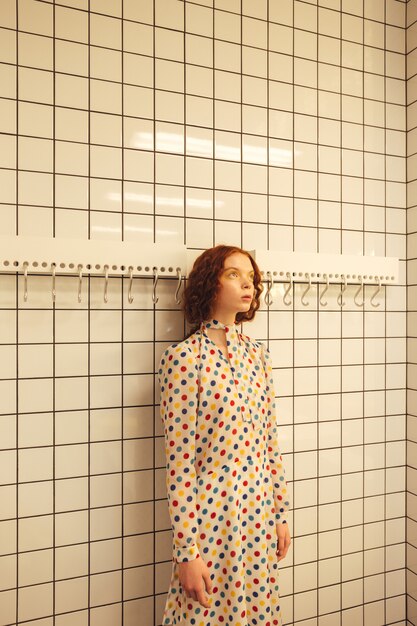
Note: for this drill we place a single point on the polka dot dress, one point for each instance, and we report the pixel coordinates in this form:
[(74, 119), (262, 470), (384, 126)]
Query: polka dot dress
[(226, 482)]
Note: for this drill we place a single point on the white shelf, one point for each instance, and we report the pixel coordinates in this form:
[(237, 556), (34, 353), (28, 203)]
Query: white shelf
[(320, 266), (138, 259), (68, 254)]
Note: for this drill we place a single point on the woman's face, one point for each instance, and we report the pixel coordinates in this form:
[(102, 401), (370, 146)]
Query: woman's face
[(236, 282)]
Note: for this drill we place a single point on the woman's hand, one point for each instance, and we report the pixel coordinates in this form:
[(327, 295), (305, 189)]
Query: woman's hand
[(284, 540), (195, 578)]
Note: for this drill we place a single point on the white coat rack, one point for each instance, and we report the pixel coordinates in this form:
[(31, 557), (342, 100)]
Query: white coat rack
[(52, 256), (41, 255), (326, 268)]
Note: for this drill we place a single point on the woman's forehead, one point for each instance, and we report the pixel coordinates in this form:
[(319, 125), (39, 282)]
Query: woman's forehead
[(239, 261)]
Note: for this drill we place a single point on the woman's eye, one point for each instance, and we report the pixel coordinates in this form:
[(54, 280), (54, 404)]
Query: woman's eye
[(252, 278)]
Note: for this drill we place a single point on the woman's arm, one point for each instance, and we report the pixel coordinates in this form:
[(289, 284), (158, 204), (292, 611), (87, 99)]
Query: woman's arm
[(178, 380), (281, 499)]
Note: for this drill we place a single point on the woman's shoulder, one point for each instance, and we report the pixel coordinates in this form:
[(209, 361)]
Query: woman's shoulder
[(180, 350), (257, 346)]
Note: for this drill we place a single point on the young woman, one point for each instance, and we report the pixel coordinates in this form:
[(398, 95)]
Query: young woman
[(226, 486)]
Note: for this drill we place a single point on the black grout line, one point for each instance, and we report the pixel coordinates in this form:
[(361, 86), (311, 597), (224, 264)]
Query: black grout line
[(255, 193), (167, 529), (319, 368), (204, 37), (154, 120), (386, 538), (122, 296), (167, 562), (222, 10), (161, 594), (268, 139), (341, 308), (214, 59), (183, 125), (97, 442), (154, 239), (17, 313), (199, 95), (198, 4), (54, 329), (88, 608), (208, 98), (363, 495), (292, 310), (241, 125), (226, 41), (408, 490)]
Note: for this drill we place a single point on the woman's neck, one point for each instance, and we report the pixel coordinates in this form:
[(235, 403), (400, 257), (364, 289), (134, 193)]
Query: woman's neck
[(224, 318)]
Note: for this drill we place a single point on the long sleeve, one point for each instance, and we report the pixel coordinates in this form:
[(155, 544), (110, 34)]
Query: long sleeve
[(179, 404), (281, 498)]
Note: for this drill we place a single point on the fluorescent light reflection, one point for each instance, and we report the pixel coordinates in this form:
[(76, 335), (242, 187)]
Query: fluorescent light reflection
[(280, 157), (142, 140), (140, 198), (105, 229), (228, 153), (173, 142)]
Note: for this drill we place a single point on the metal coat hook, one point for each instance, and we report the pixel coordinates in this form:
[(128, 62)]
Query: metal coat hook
[(376, 293), (324, 291), (306, 290), (340, 300), (287, 291), (268, 298), (53, 266), (177, 299), (129, 293), (155, 282), (357, 293), (25, 282), (106, 282), (80, 281)]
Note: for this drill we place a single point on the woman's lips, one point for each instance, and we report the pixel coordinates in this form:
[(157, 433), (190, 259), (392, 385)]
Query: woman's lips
[(246, 297)]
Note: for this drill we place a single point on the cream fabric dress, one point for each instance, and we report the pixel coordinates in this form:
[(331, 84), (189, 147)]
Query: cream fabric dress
[(226, 481)]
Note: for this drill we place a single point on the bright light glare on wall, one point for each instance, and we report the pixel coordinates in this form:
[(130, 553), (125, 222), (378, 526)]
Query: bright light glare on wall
[(141, 198), (174, 143)]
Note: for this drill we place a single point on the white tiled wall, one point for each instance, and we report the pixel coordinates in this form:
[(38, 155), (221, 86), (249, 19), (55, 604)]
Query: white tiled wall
[(278, 125)]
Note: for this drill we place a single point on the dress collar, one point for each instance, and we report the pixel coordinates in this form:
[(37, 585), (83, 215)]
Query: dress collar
[(231, 330), (235, 360)]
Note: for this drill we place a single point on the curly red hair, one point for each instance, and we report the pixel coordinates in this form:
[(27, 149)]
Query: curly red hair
[(203, 283)]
